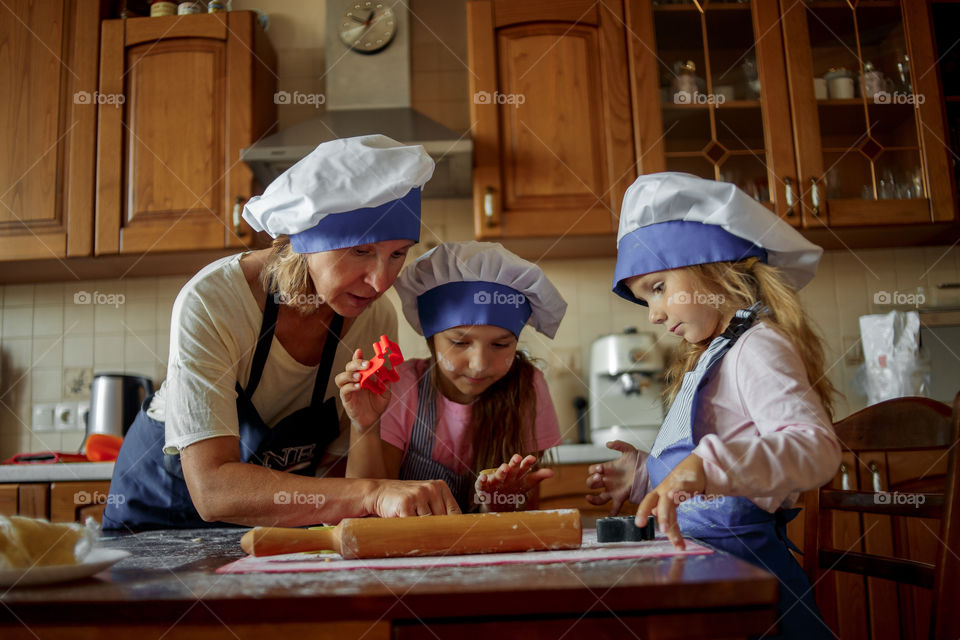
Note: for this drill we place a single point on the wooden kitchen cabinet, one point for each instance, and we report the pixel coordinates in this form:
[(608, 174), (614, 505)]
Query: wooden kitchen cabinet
[(48, 78), (74, 501), (193, 91), (552, 136)]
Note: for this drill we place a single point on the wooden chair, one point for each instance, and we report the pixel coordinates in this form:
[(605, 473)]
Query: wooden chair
[(899, 472)]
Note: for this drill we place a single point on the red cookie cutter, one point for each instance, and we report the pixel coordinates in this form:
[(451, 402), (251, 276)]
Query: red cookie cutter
[(382, 367)]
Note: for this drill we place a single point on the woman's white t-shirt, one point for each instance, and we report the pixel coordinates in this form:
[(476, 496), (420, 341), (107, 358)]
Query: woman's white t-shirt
[(213, 336)]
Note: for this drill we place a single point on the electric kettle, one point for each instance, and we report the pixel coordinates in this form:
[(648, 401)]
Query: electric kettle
[(115, 399)]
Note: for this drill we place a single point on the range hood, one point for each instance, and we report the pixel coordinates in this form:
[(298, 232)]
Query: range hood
[(368, 94)]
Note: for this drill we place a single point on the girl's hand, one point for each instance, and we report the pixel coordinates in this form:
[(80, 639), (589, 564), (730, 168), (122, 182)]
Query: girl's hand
[(402, 498), (685, 481), (364, 407), (615, 478), (513, 479)]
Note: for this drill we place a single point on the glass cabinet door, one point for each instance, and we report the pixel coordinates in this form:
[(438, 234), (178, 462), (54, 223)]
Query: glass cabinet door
[(867, 126), (721, 92)]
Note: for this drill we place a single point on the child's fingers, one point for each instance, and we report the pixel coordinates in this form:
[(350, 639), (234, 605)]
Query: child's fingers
[(667, 519), (621, 446), (647, 506), (598, 498), (595, 481), (617, 503)]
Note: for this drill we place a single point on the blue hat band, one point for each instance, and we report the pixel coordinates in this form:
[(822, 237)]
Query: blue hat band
[(395, 220), (456, 304), (674, 244)]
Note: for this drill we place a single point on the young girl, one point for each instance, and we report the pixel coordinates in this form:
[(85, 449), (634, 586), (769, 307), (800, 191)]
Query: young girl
[(476, 402), (749, 426)]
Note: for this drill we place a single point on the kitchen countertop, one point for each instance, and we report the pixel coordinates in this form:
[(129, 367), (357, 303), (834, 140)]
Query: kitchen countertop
[(171, 581), (56, 472)]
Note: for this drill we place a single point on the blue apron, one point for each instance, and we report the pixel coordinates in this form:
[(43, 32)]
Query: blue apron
[(735, 524), (148, 490), (418, 462)]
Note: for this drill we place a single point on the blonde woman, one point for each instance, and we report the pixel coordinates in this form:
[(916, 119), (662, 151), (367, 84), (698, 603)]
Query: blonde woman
[(245, 429)]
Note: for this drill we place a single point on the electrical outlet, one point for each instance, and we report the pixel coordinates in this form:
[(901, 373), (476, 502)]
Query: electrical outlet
[(65, 416), (43, 416)]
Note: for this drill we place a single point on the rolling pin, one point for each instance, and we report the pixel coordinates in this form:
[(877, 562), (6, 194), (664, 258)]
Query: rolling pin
[(425, 535)]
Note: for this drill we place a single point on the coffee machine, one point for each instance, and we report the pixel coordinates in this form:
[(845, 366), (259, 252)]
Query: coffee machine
[(625, 388)]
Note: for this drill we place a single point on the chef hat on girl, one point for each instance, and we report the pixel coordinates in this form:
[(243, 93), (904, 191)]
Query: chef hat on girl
[(670, 220), (345, 193), (471, 283)]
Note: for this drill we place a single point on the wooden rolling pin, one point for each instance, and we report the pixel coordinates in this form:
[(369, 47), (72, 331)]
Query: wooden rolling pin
[(425, 535)]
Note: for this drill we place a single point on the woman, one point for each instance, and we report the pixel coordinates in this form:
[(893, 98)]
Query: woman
[(239, 430)]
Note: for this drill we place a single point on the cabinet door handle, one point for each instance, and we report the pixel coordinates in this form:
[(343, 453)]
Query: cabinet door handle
[(875, 470), (488, 206), (237, 210), (788, 196), (815, 196), (844, 477)]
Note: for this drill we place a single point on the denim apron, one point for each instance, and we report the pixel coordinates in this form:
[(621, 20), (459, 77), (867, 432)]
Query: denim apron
[(418, 462), (735, 524), (148, 490)]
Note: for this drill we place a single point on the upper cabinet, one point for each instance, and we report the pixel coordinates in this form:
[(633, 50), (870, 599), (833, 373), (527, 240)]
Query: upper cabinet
[(867, 113), (48, 77), (829, 112), (552, 135), (180, 97)]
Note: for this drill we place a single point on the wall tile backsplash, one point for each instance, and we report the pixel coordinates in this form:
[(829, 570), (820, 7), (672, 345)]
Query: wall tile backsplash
[(50, 330)]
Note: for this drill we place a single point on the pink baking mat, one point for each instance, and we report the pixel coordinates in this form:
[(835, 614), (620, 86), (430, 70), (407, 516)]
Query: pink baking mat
[(589, 551)]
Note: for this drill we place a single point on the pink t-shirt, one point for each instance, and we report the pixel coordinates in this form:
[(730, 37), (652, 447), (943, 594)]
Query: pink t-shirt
[(767, 435), (453, 445)]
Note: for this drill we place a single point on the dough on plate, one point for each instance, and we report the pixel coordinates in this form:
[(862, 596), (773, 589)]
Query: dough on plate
[(27, 542)]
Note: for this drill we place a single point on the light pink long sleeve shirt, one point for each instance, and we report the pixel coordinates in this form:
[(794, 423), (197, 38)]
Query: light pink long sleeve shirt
[(767, 435)]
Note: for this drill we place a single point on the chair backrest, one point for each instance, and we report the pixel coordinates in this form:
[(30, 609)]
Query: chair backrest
[(872, 525)]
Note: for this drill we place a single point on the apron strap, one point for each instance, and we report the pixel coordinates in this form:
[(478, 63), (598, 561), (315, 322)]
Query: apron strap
[(330, 345), (270, 312)]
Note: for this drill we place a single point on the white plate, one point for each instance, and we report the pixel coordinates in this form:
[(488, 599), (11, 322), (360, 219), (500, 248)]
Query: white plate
[(95, 562)]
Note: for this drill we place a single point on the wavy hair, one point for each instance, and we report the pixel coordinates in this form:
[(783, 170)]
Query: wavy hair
[(286, 274)]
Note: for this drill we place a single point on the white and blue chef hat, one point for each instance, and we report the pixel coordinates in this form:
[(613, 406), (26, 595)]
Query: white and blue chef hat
[(471, 283), (670, 220), (345, 193)]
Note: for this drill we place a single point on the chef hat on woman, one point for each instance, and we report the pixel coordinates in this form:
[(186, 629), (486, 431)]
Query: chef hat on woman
[(471, 283), (670, 220), (345, 193)]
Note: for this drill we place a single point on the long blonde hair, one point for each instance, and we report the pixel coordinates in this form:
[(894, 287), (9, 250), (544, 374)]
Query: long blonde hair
[(738, 285), (287, 276), (503, 417)]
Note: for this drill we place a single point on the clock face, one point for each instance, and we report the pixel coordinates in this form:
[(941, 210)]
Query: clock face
[(367, 26)]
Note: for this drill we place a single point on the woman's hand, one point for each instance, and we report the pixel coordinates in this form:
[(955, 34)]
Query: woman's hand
[(402, 498), (614, 478), (685, 481), (362, 406), (506, 488)]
